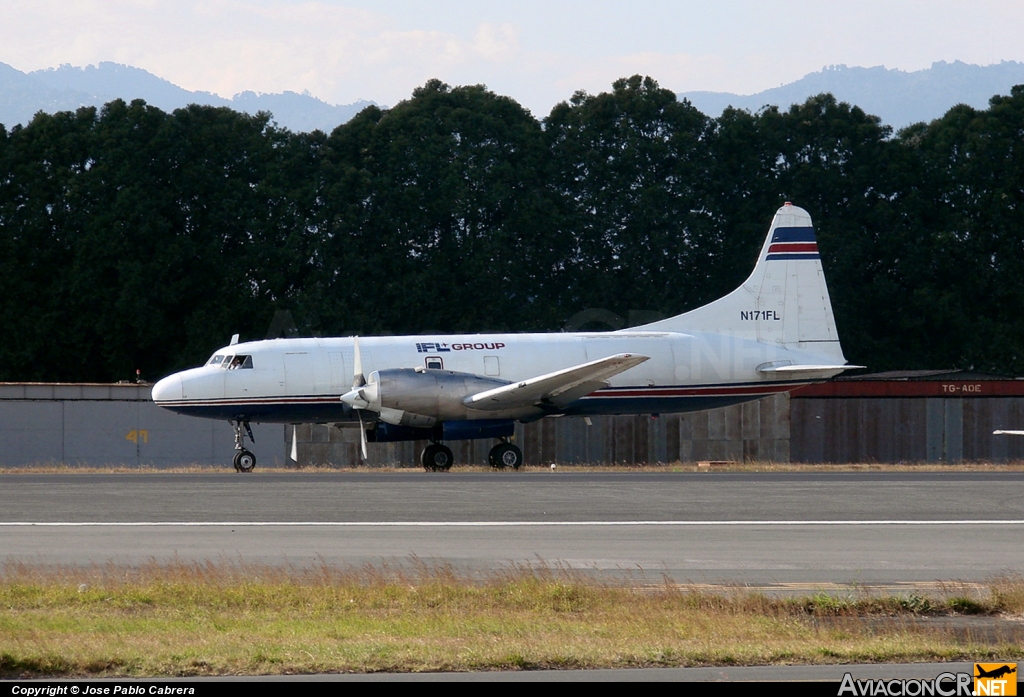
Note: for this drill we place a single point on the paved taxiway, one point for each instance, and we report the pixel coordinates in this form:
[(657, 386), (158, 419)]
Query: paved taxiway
[(710, 527)]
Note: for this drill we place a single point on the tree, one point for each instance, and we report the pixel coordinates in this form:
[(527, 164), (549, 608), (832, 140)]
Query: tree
[(437, 216), (629, 167)]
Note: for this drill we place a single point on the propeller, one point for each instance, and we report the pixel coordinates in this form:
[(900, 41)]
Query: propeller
[(361, 395)]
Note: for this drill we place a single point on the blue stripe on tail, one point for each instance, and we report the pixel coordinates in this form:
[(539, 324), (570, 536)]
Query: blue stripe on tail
[(793, 234)]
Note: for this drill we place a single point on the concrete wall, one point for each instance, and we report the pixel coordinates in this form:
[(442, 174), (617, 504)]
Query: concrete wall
[(114, 425)]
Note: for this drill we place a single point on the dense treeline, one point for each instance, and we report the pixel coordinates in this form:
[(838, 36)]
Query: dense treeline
[(132, 238)]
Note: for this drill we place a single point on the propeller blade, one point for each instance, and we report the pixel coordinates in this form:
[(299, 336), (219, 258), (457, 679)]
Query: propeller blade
[(358, 379), (295, 444), (362, 435)]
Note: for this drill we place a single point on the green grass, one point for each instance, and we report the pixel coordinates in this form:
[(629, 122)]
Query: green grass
[(215, 619)]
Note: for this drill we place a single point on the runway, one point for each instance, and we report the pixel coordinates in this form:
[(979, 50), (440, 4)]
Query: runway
[(757, 529)]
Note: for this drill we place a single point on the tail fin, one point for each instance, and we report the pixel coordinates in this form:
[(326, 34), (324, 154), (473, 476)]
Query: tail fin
[(783, 302)]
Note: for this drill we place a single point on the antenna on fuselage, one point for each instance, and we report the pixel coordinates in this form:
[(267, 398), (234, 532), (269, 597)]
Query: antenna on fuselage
[(234, 339)]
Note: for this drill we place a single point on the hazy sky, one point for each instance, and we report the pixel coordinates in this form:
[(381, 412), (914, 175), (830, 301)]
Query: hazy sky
[(538, 52)]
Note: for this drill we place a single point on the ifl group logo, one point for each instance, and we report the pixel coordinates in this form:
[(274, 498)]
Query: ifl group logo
[(988, 679)]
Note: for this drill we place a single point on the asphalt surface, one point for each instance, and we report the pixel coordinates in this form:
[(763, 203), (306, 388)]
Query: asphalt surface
[(747, 528)]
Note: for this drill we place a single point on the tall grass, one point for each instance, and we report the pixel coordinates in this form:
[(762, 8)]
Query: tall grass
[(207, 618)]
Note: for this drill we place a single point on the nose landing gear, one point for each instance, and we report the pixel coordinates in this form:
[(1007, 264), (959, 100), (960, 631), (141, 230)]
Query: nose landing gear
[(244, 461)]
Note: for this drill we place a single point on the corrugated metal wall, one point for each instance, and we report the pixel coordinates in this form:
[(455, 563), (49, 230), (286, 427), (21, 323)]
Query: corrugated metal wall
[(752, 431), (118, 424), (113, 425), (905, 429)]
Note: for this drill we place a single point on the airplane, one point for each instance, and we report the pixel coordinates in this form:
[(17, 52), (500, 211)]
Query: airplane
[(995, 672), (772, 334)]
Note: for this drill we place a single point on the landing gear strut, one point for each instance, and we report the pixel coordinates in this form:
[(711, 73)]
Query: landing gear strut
[(244, 461), (437, 458), (504, 455)]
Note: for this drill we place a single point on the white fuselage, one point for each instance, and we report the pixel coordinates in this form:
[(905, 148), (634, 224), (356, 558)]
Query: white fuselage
[(302, 380)]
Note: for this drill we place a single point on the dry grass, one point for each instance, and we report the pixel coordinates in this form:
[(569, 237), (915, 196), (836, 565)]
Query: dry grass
[(1014, 466), (64, 468), (212, 619)]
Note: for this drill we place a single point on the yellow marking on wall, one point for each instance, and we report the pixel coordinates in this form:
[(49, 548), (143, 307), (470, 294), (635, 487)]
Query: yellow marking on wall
[(138, 435)]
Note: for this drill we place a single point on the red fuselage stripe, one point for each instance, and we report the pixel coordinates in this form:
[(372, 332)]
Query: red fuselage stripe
[(691, 392), (711, 391), (793, 247)]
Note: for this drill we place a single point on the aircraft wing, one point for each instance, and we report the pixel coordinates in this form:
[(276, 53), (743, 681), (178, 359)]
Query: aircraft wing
[(558, 388)]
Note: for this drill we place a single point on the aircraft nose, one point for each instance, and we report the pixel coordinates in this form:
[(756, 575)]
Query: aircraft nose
[(167, 389)]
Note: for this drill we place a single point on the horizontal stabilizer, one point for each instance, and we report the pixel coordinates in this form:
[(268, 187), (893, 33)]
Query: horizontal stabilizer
[(557, 389), (803, 370)]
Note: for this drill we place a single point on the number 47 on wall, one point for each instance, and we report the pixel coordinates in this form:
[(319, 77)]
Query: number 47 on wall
[(137, 436)]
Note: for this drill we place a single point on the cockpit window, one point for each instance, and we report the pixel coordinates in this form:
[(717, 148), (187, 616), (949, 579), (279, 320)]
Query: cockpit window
[(215, 360), (238, 362)]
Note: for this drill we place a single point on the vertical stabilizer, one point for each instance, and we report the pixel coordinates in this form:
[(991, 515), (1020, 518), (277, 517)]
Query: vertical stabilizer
[(784, 301)]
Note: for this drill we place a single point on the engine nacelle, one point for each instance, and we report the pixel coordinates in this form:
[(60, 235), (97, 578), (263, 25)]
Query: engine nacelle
[(420, 398)]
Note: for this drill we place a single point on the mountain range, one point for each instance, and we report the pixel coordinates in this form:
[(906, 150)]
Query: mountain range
[(66, 88), (900, 98)]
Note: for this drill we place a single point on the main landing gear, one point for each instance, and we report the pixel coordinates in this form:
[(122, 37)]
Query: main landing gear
[(505, 455), (436, 458), (244, 461)]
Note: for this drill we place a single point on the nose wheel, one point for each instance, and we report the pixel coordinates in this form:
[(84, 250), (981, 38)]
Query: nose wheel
[(244, 461), (505, 455), (437, 458)]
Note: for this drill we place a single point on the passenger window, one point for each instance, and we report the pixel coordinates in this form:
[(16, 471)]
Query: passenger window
[(434, 363)]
